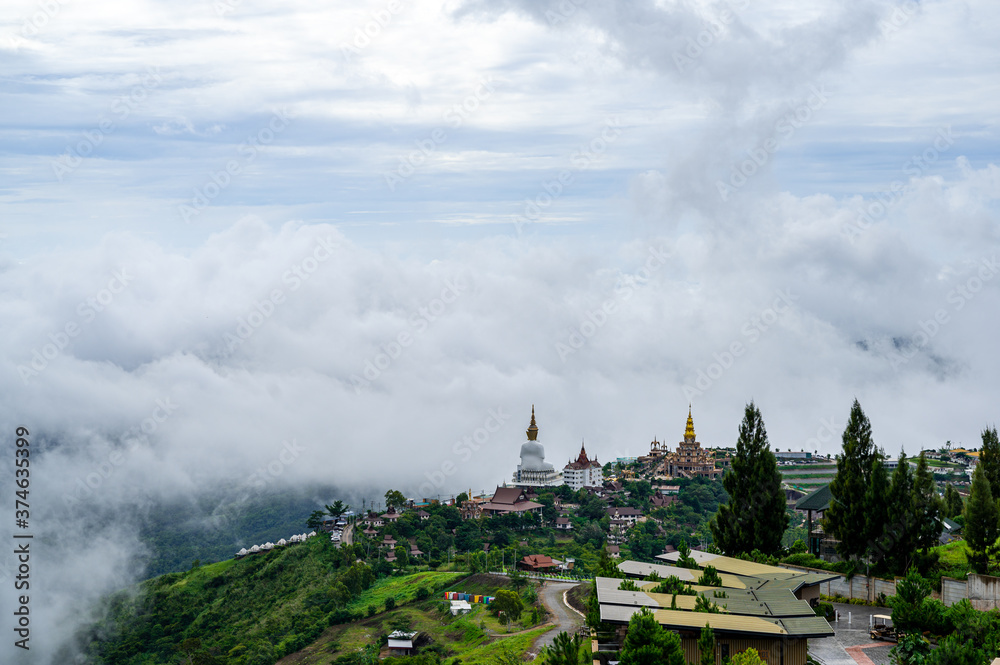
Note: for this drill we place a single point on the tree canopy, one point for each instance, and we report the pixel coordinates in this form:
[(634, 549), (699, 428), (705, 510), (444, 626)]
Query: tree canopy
[(849, 489), (648, 643), (755, 517)]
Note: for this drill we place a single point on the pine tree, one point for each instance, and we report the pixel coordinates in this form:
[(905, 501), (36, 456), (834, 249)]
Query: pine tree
[(952, 502), (896, 544), (989, 459), (648, 643), (981, 518), (755, 517), (850, 486), (877, 503), (706, 646), (927, 507)]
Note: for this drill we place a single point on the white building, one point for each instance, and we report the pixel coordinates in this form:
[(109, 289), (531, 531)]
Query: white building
[(583, 472), (533, 471)]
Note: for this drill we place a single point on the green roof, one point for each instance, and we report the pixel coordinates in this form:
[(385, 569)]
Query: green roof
[(726, 623), (818, 499)]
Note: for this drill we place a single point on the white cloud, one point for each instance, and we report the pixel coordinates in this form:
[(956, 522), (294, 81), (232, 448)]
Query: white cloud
[(893, 79)]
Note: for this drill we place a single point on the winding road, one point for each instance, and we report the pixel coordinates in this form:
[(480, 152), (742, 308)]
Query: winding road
[(564, 617)]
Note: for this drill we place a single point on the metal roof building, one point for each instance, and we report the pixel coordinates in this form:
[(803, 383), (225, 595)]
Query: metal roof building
[(764, 607)]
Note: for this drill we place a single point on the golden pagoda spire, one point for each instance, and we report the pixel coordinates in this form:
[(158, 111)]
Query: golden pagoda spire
[(532, 428), (689, 430)]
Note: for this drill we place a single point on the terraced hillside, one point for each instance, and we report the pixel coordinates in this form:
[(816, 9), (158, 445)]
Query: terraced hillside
[(808, 476)]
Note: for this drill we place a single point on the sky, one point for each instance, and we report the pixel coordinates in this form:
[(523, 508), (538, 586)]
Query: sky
[(264, 245)]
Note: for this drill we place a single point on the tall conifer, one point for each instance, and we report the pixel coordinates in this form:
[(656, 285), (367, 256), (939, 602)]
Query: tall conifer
[(755, 516), (848, 510)]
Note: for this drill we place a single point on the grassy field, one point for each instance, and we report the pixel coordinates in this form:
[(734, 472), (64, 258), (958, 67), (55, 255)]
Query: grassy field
[(953, 555), (402, 589), (476, 638)]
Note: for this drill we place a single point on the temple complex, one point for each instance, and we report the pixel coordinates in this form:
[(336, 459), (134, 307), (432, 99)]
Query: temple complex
[(688, 461)]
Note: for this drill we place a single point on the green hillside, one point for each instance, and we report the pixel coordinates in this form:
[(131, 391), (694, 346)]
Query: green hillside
[(310, 603), (251, 611)]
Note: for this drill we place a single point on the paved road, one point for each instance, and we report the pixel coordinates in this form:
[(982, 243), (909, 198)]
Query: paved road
[(564, 618), (851, 635)]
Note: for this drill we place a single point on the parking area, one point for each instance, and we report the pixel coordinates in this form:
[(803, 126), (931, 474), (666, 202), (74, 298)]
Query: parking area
[(852, 643)]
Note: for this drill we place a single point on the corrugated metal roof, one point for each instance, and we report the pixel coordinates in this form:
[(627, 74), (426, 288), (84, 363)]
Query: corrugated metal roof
[(793, 584), (676, 619), (764, 602), (813, 626), (640, 569), (727, 564), (725, 623)]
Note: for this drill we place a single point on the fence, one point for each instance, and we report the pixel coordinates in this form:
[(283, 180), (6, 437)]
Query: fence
[(983, 591)]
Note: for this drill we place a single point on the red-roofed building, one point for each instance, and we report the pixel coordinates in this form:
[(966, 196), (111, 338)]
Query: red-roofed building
[(537, 563)]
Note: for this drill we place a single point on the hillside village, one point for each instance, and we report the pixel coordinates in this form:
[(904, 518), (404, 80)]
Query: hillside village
[(673, 546)]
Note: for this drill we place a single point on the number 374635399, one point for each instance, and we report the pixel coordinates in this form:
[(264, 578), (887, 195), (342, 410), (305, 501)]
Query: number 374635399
[(22, 477)]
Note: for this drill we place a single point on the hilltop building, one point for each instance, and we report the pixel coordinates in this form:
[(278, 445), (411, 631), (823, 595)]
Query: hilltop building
[(583, 472), (534, 471), (689, 460)]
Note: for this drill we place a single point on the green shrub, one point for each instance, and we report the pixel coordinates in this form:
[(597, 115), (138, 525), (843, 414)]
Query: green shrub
[(825, 610)]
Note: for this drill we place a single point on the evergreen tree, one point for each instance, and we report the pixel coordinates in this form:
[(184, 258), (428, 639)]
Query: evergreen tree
[(927, 506), (981, 518), (952, 502), (706, 646), (896, 544), (849, 488), (710, 577), (565, 650), (648, 643), (755, 517), (989, 459), (877, 502)]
